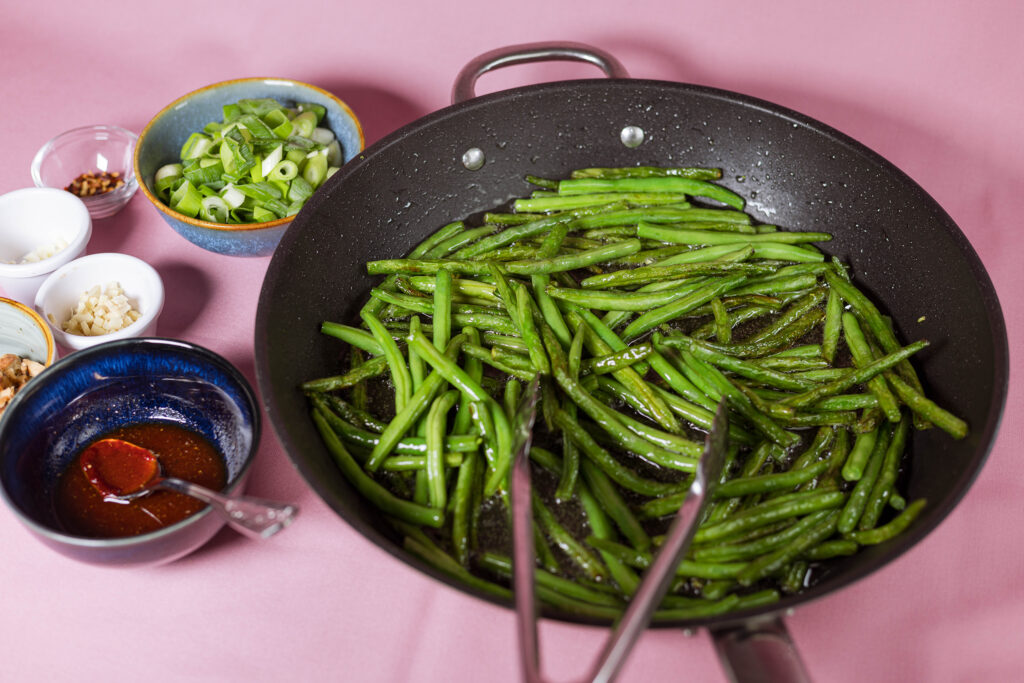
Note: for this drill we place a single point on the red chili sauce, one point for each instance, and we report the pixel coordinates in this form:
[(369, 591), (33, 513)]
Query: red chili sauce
[(83, 496)]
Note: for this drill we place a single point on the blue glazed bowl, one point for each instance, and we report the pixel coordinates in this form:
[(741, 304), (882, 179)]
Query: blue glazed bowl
[(161, 140), (93, 391)]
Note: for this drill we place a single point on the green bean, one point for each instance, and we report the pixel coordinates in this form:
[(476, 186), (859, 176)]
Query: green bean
[(511, 364), (444, 563), (412, 409), (371, 490), (456, 242), (581, 557), (545, 204), (458, 377), (886, 478), (662, 314), (736, 319), (623, 575), (791, 364), (601, 341), (659, 272), (862, 356), (723, 328), (796, 505), (442, 234), (371, 368), (646, 171), (614, 506), (670, 184), (833, 326), (778, 286), (722, 386), (435, 447), (416, 371), (409, 445), (442, 309), (461, 513), (878, 325), (752, 549), (460, 286), (498, 218), (375, 306), (858, 376), (569, 474), (604, 364), (651, 256), (737, 365), (407, 463), (358, 338), (606, 300), (353, 415), (666, 440), (642, 560), (616, 471), (795, 577), (766, 483), (777, 559), (890, 530), (396, 363), (510, 235), (528, 330), (418, 304), (928, 409), (548, 309), (863, 445), (606, 417), (707, 237), (855, 504), (503, 566)]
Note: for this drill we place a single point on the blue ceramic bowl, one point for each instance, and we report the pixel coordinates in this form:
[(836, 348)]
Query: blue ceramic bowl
[(91, 392), (161, 140)]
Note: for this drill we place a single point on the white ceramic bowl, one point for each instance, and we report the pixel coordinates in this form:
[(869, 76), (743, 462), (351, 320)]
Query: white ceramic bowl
[(32, 218), (24, 333), (60, 292)]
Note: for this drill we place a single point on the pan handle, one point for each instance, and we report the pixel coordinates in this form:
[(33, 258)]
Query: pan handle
[(465, 82), (759, 652)]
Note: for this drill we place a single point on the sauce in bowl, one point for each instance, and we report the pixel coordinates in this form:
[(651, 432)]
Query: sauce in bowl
[(84, 511)]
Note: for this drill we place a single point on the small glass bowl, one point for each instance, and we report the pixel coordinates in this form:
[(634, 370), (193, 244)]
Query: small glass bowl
[(90, 148)]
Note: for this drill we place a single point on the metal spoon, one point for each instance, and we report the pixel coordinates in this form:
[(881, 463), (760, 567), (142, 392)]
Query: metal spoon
[(254, 517)]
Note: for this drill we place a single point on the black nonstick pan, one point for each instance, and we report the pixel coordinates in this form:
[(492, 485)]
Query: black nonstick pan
[(796, 172)]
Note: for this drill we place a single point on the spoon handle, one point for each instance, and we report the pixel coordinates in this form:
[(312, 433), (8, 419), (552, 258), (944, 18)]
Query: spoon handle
[(253, 517)]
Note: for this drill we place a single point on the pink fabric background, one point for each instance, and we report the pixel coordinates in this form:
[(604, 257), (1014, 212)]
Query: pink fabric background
[(936, 87)]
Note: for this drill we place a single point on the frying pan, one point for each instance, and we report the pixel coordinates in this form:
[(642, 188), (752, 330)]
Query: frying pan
[(905, 251)]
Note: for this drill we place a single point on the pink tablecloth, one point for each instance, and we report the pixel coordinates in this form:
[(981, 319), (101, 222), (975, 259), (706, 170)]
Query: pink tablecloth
[(938, 88)]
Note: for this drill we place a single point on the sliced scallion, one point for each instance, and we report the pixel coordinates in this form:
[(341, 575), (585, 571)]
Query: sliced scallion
[(262, 162)]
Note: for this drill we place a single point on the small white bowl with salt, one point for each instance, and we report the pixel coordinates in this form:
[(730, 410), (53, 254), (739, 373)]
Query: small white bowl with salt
[(41, 229), (100, 298)]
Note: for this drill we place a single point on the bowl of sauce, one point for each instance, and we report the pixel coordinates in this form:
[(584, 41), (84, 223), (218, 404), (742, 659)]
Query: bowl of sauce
[(188, 405), (89, 497)]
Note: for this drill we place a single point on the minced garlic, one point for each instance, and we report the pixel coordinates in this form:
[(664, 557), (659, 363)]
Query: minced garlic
[(101, 311), (45, 251)]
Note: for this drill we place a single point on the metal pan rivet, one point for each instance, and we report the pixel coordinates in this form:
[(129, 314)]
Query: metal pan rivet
[(632, 136), (473, 158)]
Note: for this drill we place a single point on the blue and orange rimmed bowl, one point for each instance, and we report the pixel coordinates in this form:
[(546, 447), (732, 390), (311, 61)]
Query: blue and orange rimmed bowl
[(24, 333), (161, 140), (91, 392)]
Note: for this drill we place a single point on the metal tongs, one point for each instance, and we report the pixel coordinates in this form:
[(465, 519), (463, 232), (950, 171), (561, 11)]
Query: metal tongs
[(658, 577)]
